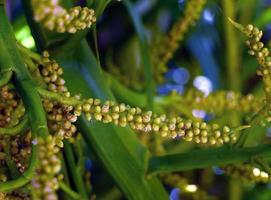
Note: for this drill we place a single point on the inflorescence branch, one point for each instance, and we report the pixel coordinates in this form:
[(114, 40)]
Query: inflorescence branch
[(56, 18)]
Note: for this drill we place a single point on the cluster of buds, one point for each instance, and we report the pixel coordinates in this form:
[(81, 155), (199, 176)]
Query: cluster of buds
[(263, 55), (20, 147), (51, 73), (56, 18), (15, 195), (247, 173), (9, 103), (60, 117), (46, 181), (174, 127), (164, 50), (220, 101)]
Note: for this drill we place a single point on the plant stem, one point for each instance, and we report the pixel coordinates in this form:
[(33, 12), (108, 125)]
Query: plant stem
[(36, 57), (5, 78), (232, 49), (71, 101), (32, 102), (11, 131), (69, 191), (76, 177)]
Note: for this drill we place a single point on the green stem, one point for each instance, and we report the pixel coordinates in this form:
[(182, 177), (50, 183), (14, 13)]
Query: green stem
[(69, 191), (233, 70), (23, 80), (5, 78), (25, 86), (76, 177), (36, 57), (206, 158), (232, 48), (11, 131), (71, 101)]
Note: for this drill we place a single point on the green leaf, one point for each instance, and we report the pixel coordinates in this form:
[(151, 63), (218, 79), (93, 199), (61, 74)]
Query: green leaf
[(144, 50), (121, 153), (98, 5), (206, 158)]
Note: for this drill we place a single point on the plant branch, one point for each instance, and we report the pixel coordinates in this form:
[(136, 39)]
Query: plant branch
[(74, 195), (19, 128), (5, 78), (71, 101), (76, 177)]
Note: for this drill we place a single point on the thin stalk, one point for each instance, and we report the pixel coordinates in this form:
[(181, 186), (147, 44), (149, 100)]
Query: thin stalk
[(5, 78), (36, 57), (74, 195), (94, 33), (76, 177), (233, 70), (11, 131), (71, 101), (232, 47)]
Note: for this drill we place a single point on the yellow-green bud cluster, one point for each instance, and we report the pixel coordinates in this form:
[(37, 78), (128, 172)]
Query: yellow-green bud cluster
[(20, 147), (247, 173), (220, 101), (51, 73), (174, 127), (263, 56), (60, 117), (164, 50), (9, 102), (46, 181), (20, 150), (15, 195), (56, 18)]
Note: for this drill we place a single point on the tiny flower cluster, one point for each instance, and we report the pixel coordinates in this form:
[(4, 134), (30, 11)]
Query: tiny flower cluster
[(220, 101), (54, 17), (257, 48), (10, 107), (15, 195), (262, 54), (20, 147), (60, 117), (46, 182), (174, 127), (247, 172), (164, 50)]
